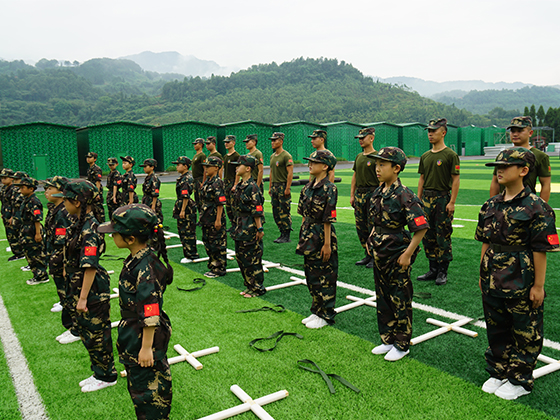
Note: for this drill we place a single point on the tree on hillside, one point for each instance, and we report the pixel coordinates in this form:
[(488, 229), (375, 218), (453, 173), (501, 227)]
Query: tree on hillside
[(540, 115), (533, 113), (526, 112), (44, 64)]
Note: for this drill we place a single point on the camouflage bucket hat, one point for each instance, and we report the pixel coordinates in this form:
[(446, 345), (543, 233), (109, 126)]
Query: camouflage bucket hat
[(213, 161), (364, 132), (319, 133), (6, 173), (247, 160), (128, 159), (323, 156), (277, 135), (133, 219), (514, 156), (391, 154), (58, 182), (520, 122), (183, 160), (229, 138), (80, 190), (112, 161), (149, 162), (210, 139), (436, 123), (92, 155), (250, 137), (19, 175), (198, 140), (27, 182)]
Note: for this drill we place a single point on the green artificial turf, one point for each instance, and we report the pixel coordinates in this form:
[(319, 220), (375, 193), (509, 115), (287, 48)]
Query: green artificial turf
[(8, 401)]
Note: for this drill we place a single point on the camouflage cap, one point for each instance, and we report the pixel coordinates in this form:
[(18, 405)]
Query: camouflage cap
[(247, 160), (58, 182), (128, 159), (520, 122), (27, 181), (19, 175), (319, 133), (210, 139), (132, 219), (391, 154), (514, 156), (92, 155), (364, 132), (229, 137), (276, 135), (183, 160), (436, 123), (198, 140), (112, 161), (149, 162), (323, 156), (6, 173), (250, 137), (213, 161), (79, 189)]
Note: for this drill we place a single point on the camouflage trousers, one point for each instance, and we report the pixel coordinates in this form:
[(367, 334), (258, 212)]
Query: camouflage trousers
[(12, 235), (230, 196), (197, 185), (150, 389), (393, 289), (249, 258), (125, 198), (321, 281), (94, 327), (111, 207), (515, 338), (57, 274), (281, 206), (99, 210), (187, 232), (215, 242), (35, 254), (364, 223), (437, 240)]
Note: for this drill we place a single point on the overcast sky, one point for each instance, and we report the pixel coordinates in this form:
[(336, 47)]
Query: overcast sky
[(490, 40)]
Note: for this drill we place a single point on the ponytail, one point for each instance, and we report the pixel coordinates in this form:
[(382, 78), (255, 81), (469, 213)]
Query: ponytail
[(158, 245)]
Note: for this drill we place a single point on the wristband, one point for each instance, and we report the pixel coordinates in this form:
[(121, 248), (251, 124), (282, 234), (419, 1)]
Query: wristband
[(261, 229)]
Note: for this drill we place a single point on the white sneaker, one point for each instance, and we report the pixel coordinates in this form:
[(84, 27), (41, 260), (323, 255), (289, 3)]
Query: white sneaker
[(186, 261), (34, 281), (70, 338), (9, 249), (395, 354), (317, 323), (64, 334), (25, 268), (509, 391), (309, 318), (87, 381), (57, 303), (96, 385), (492, 385), (382, 349), (56, 308)]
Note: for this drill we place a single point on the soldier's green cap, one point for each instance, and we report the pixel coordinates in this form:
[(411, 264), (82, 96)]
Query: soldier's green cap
[(364, 132), (390, 154), (213, 161), (319, 133), (514, 156), (323, 156), (58, 182), (520, 122), (198, 140), (247, 160), (184, 160), (6, 173), (149, 162), (210, 139), (92, 155), (27, 181), (276, 135), (112, 161), (132, 219), (79, 189), (229, 137), (251, 137), (128, 159), (436, 123)]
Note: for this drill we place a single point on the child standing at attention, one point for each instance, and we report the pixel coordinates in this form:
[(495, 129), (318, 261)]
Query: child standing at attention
[(317, 239), (114, 181), (145, 329), (516, 228), (393, 207), (128, 195), (150, 188), (87, 284)]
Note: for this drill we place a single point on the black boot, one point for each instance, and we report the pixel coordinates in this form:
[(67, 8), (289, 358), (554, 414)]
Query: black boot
[(442, 273), (284, 237), (431, 274), (365, 261), (277, 240)]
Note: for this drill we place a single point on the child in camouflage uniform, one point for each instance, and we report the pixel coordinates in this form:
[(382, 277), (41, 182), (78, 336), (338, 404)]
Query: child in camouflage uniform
[(212, 218), (145, 329), (94, 175), (14, 200), (128, 185), (8, 196), (248, 234), (150, 188), (87, 284), (31, 232), (317, 239), (516, 228), (394, 206), (184, 209), (114, 181)]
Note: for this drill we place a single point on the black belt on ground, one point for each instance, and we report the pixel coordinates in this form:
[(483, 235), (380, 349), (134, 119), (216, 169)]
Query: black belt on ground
[(128, 314), (508, 248), (365, 189), (434, 193), (278, 183), (380, 230)]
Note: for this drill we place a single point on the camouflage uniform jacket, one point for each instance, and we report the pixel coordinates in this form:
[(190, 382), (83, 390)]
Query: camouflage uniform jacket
[(212, 195), (248, 203), (141, 286), (94, 175), (391, 211), (317, 203), (184, 187), (57, 222), (8, 196), (113, 179), (150, 189), (128, 185), (31, 211), (525, 221), (82, 250)]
